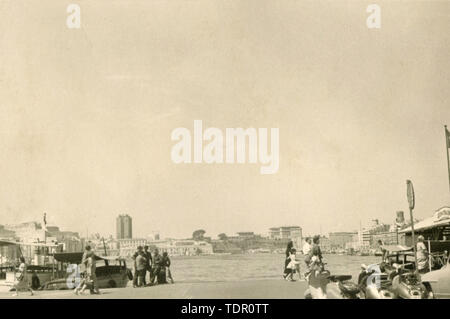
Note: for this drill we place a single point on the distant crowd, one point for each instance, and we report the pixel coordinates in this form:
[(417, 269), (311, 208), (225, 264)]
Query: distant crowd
[(157, 267)]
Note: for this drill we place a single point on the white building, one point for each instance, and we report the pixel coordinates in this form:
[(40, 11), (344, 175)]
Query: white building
[(174, 247)]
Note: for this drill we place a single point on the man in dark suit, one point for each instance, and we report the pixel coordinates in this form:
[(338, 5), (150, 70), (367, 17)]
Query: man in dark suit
[(148, 267), (157, 263)]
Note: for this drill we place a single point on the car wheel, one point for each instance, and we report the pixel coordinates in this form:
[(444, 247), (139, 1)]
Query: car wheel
[(112, 284)]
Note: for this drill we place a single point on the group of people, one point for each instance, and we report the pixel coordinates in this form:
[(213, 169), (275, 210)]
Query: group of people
[(313, 258), (157, 267)]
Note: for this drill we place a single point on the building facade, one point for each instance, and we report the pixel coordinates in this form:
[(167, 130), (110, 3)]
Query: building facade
[(325, 244), (124, 228), (339, 240), (28, 232), (174, 247), (293, 233)]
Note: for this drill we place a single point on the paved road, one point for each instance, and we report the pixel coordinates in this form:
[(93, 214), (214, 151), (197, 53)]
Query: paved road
[(254, 289)]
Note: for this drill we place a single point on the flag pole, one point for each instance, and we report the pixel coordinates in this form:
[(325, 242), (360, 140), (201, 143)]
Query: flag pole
[(446, 151)]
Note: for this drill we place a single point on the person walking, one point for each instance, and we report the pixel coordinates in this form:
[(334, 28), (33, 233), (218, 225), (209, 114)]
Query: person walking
[(315, 250), (157, 263), (289, 247), (84, 282), (141, 264), (383, 250), (306, 246), (292, 265), (82, 285), (166, 264), (22, 278), (314, 258), (135, 275), (87, 280), (92, 276)]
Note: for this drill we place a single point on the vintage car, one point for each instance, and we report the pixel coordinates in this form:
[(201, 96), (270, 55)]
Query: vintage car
[(439, 281), (111, 272)]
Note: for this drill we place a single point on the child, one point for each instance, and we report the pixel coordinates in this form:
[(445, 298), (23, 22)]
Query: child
[(293, 264), (87, 280), (82, 285)]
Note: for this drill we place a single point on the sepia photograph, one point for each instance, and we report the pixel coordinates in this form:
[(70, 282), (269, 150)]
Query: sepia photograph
[(224, 154)]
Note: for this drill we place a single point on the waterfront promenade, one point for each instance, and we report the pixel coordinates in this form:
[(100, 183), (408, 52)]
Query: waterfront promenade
[(253, 289)]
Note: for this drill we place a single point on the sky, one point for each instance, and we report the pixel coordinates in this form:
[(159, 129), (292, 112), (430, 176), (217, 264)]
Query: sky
[(86, 114)]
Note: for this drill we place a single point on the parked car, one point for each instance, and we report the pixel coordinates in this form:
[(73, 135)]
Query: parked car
[(439, 281), (113, 273)]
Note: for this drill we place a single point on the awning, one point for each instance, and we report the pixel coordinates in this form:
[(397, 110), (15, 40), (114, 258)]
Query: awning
[(440, 218), (19, 243), (8, 243)]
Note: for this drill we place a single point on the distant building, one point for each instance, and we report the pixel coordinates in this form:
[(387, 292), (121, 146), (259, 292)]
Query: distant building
[(355, 243), (6, 234), (185, 247), (325, 244), (154, 235), (388, 238), (293, 233), (246, 234), (33, 232), (285, 232), (174, 247), (70, 240), (28, 232), (338, 240), (368, 237), (124, 227), (128, 247)]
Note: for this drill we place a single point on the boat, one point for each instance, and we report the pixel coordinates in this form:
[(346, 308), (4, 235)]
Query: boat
[(378, 253), (39, 258), (364, 253)]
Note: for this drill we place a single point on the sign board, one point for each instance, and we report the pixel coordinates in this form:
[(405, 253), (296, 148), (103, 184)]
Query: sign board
[(442, 214), (410, 194)]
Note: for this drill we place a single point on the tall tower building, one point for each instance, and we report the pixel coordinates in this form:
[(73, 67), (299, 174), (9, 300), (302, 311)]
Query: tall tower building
[(124, 227)]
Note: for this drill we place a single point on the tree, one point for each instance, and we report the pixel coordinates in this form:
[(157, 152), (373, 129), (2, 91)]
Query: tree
[(198, 234), (222, 236)]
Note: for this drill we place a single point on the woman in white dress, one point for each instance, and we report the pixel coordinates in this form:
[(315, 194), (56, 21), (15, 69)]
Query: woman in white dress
[(22, 282), (292, 265)]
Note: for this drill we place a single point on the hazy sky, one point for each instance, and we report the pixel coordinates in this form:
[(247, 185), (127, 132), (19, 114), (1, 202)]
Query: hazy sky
[(86, 114)]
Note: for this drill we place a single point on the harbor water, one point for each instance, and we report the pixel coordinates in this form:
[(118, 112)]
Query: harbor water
[(255, 266)]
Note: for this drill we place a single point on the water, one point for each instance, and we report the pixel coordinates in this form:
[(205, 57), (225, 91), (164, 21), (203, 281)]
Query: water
[(255, 266)]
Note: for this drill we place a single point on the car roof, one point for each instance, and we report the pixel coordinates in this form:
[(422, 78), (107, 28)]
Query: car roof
[(76, 257), (396, 248)]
